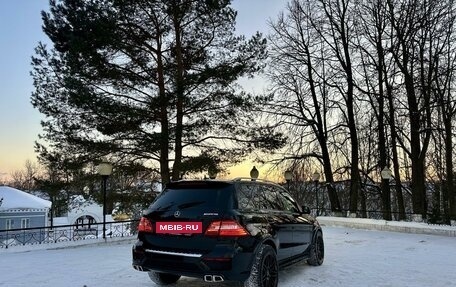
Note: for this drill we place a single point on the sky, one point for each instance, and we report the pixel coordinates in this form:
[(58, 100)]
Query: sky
[(20, 32), (352, 258)]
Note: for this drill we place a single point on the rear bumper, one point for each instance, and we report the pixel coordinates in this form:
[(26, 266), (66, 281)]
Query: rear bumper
[(232, 264)]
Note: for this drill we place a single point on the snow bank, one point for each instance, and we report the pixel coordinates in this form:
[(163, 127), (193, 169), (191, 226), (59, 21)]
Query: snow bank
[(383, 225), (68, 244)]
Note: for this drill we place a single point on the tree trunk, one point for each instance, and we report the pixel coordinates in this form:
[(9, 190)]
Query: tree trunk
[(397, 175), (179, 76), (385, 185), (449, 200), (320, 133), (327, 169), (418, 176), (418, 188), (354, 167), (349, 102), (164, 145)]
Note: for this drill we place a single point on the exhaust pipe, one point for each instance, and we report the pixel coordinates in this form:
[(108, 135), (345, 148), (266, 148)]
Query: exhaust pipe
[(217, 278), (213, 278), (139, 268)]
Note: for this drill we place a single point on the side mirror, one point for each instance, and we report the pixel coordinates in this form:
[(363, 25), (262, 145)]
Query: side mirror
[(305, 209)]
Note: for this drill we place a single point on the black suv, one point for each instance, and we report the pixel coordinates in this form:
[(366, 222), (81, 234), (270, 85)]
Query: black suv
[(236, 230)]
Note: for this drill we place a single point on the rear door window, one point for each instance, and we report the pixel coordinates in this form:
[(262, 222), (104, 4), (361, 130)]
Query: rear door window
[(258, 196), (252, 196), (288, 203)]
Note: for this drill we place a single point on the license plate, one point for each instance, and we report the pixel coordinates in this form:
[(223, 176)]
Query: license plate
[(179, 227)]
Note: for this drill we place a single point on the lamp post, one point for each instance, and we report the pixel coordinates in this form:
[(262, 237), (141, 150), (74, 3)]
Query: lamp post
[(288, 175), (254, 173), (105, 170), (386, 176), (315, 178)]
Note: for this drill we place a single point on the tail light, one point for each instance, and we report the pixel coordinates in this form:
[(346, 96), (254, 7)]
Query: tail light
[(145, 225), (226, 228)]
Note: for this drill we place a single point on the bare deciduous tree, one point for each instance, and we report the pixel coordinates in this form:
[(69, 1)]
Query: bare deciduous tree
[(301, 94)]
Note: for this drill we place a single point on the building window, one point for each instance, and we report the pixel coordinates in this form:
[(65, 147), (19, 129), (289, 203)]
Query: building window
[(25, 222), (9, 224), (85, 221)]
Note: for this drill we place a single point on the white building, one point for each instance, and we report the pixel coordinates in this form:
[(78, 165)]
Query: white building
[(19, 209), (83, 213)]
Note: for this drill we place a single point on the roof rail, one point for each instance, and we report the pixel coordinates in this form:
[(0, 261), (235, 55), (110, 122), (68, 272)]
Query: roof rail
[(253, 179)]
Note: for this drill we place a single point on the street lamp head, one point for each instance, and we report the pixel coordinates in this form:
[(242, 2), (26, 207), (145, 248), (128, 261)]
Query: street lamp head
[(105, 168), (212, 173), (288, 175), (386, 173), (254, 173), (316, 176)]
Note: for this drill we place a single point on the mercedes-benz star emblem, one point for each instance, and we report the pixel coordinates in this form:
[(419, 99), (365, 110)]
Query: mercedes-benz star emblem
[(177, 213)]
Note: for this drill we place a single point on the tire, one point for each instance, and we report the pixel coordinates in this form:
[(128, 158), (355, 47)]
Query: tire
[(317, 251), (163, 278), (265, 270)]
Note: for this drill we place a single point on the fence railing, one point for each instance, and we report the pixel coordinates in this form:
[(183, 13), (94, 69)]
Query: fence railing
[(77, 232), (63, 233)]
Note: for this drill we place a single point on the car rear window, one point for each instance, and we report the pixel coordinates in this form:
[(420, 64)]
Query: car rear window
[(202, 197)]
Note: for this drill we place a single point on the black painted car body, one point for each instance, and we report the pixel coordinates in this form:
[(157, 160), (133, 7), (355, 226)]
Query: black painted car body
[(218, 230)]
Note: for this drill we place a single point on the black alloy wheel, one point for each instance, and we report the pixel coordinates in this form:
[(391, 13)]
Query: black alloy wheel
[(269, 271), (265, 270), (317, 251)]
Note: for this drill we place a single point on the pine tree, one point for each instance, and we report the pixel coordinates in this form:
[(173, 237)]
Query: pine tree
[(147, 81)]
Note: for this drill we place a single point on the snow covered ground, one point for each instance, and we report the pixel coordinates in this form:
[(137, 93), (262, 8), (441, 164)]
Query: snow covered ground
[(353, 258)]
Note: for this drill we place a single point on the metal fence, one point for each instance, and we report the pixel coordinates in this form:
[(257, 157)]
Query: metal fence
[(127, 228), (64, 233)]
